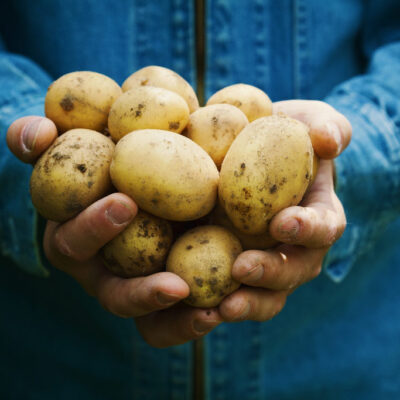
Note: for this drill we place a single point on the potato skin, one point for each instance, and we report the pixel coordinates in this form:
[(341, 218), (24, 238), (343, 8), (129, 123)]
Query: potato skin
[(154, 75), (167, 174), (267, 168), (81, 99), (140, 249), (249, 242), (252, 101), (203, 258), (72, 174), (214, 128), (147, 107)]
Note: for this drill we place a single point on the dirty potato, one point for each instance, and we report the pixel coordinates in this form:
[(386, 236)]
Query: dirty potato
[(140, 249), (147, 107), (72, 174), (203, 258), (214, 128), (167, 174), (81, 99), (249, 242), (157, 76), (267, 168), (251, 100)]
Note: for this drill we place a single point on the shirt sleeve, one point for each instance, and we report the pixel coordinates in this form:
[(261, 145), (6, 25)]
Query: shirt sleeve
[(23, 88), (368, 171)]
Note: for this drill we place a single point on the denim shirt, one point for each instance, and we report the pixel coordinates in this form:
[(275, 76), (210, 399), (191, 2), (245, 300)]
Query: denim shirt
[(338, 336)]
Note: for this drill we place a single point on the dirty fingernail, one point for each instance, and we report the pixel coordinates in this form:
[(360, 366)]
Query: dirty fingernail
[(253, 274), (167, 298), (30, 132), (243, 313), (119, 213), (201, 326), (289, 228)]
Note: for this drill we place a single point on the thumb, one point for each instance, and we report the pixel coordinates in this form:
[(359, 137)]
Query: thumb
[(330, 131), (28, 137), (318, 221)]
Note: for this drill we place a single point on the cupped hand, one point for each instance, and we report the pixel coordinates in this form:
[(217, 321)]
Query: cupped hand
[(74, 246), (306, 231)]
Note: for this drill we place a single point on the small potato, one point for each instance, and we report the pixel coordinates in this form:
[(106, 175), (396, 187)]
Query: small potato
[(167, 174), (147, 107), (203, 258), (140, 249), (314, 168), (154, 75), (267, 168), (72, 174), (251, 100), (249, 242), (81, 99), (214, 128)]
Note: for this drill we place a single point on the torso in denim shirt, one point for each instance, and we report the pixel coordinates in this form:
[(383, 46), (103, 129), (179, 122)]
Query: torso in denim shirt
[(322, 345)]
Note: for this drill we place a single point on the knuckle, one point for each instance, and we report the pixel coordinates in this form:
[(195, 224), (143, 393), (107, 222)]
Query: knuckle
[(109, 303)]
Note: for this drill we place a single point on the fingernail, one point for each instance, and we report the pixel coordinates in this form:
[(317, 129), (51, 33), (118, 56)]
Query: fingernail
[(119, 213), (243, 313), (167, 298), (253, 274), (201, 326), (30, 132), (290, 228), (334, 131)]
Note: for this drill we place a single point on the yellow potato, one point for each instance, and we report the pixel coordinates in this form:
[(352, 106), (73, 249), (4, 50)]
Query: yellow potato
[(267, 168), (81, 99), (314, 168), (140, 249), (214, 128), (147, 107), (167, 174), (154, 75), (249, 242), (251, 100), (72, 174), (203, 258)]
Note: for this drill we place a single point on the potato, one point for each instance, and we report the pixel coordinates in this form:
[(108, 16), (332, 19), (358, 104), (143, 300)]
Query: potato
[(203, 258), (251, 100), (140, 249), (267, 168), (167, 174), (154, 75), (72, 174), (81, 99), (314, 168), (249, 242), (147, 107), (214, 128)]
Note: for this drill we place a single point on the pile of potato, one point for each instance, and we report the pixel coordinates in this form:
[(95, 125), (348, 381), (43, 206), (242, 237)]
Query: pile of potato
[(152, 141)]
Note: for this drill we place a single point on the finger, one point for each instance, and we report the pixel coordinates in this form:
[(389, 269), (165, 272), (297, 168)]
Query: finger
[(82, 237), (283, 268), (29, 137), (177, 325), (252, 304), (330, 131), (140, 296), (320, 219)]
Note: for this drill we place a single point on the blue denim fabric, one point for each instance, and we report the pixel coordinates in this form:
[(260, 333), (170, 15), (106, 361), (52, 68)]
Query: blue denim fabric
[(332, 341)]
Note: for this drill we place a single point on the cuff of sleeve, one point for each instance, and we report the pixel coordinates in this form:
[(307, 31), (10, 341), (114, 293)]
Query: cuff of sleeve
[(21, 228)]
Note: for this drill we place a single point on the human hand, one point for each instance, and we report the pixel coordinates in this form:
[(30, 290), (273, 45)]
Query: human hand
[(306, 231), (73, 247)]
